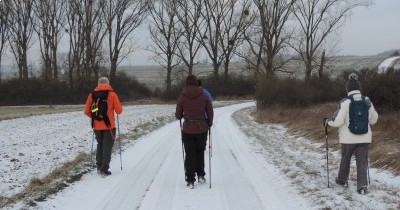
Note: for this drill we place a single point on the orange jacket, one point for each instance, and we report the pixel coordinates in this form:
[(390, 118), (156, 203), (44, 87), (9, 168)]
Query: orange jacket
[(113, 104)]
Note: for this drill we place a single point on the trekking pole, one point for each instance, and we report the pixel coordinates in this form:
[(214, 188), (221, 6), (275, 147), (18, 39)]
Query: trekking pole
[(327, 149), (209, 152), (91, 151), (183, 149), (209, 131), (369, 178), (119, 138)]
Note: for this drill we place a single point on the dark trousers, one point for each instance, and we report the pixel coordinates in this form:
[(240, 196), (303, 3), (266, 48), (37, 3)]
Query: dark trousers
[(195, 144), (361, 153), (105, 142)]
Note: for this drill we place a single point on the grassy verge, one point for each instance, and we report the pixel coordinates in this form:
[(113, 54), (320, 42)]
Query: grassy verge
[(384, 150), (12, 112)]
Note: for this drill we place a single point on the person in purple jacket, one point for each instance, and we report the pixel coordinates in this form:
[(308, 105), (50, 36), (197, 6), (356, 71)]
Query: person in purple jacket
[(191, 106)]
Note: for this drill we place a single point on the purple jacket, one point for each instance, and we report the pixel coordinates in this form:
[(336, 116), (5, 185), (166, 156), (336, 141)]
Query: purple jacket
[(192, 103)]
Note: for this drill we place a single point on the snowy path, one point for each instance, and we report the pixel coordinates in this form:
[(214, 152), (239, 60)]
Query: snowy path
[(153, 176)]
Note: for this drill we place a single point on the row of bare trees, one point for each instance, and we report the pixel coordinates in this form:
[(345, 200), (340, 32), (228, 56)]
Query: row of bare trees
[(97, 32), (264, 33)]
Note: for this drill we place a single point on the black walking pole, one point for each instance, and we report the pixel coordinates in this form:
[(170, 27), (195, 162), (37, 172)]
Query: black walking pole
[(369, 178), (327, 149), (91, 151), (183, 150), (209, 152)]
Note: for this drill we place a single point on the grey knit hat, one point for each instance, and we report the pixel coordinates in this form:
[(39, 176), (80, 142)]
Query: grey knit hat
[(353, 83)]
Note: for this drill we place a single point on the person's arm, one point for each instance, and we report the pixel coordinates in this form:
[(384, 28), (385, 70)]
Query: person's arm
[(372, 115), (338, 118), (87, 106), (117, 104), (210, 113), (179, 109)]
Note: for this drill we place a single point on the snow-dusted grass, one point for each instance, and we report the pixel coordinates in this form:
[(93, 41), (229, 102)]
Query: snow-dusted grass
[(304, 162), (34, 146)]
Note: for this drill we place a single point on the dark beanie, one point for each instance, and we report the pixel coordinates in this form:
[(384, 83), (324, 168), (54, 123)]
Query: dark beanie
[(353, 83), (191, 80)]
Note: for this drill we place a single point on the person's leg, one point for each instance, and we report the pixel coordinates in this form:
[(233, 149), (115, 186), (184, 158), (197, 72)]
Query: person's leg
[(108, 142), (201, 143), (344, 170), (99, 151), (361, 153), (188, 142)]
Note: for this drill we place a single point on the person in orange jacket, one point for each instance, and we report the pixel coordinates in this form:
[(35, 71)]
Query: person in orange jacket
[(104, 127)]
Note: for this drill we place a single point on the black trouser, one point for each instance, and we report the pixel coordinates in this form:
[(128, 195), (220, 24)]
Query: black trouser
[(195, 144), (105, 142), (361, 153)]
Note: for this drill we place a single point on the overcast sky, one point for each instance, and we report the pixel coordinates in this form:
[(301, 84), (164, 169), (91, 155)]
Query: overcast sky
[(368, 31), (372, 30)]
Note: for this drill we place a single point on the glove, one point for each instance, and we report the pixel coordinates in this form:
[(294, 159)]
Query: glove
[(325, 121)]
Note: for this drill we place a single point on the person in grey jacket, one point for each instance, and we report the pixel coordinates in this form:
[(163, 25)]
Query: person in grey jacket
[(353, 143)]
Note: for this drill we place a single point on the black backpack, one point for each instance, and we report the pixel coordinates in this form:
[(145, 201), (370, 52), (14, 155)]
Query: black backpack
[(99, 107), (358, 113)]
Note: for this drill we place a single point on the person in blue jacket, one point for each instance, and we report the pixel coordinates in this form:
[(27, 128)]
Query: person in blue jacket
[(205, 91)]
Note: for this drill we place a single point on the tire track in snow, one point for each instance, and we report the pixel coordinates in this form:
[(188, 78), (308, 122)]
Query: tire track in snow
[(137, 182), (153, 176)]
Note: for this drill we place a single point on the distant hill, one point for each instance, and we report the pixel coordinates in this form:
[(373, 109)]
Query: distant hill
[(388, 53)]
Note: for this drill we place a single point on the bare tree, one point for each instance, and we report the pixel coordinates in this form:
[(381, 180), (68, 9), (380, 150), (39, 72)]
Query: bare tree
[(4, 28), (75, 30), (122, 17), (266, 40), (95, 31), (86, 30), (163, 34), (50, 20), (225, 23), (21, 30), (189, 26), (318, 19)]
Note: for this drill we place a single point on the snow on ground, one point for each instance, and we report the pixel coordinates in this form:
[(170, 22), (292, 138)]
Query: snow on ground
[(387, 63), (263, 167), (34, 146), (304, 162)]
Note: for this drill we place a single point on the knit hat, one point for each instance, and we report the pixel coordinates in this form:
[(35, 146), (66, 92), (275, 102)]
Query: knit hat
[(191, 80), (353, 83)]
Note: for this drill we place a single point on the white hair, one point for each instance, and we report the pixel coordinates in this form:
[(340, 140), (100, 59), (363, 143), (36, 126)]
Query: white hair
[(103, 80)]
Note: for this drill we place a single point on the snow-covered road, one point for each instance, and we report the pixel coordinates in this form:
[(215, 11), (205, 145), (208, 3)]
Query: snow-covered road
[(153, 176)]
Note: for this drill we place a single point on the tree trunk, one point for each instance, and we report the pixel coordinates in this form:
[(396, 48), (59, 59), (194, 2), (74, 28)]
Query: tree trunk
[(321, 67), (113, 71)]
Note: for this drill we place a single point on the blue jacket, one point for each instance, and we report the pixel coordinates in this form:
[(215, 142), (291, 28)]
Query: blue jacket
[(208, 94)]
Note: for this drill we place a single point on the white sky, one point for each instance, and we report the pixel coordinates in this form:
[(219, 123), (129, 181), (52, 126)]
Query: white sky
[(372, 30), (368, 31)]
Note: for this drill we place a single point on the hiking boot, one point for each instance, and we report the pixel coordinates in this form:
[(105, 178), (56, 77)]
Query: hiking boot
[(190, 185), (343, 184), (105, 173), (201, 179), (363, 190)]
